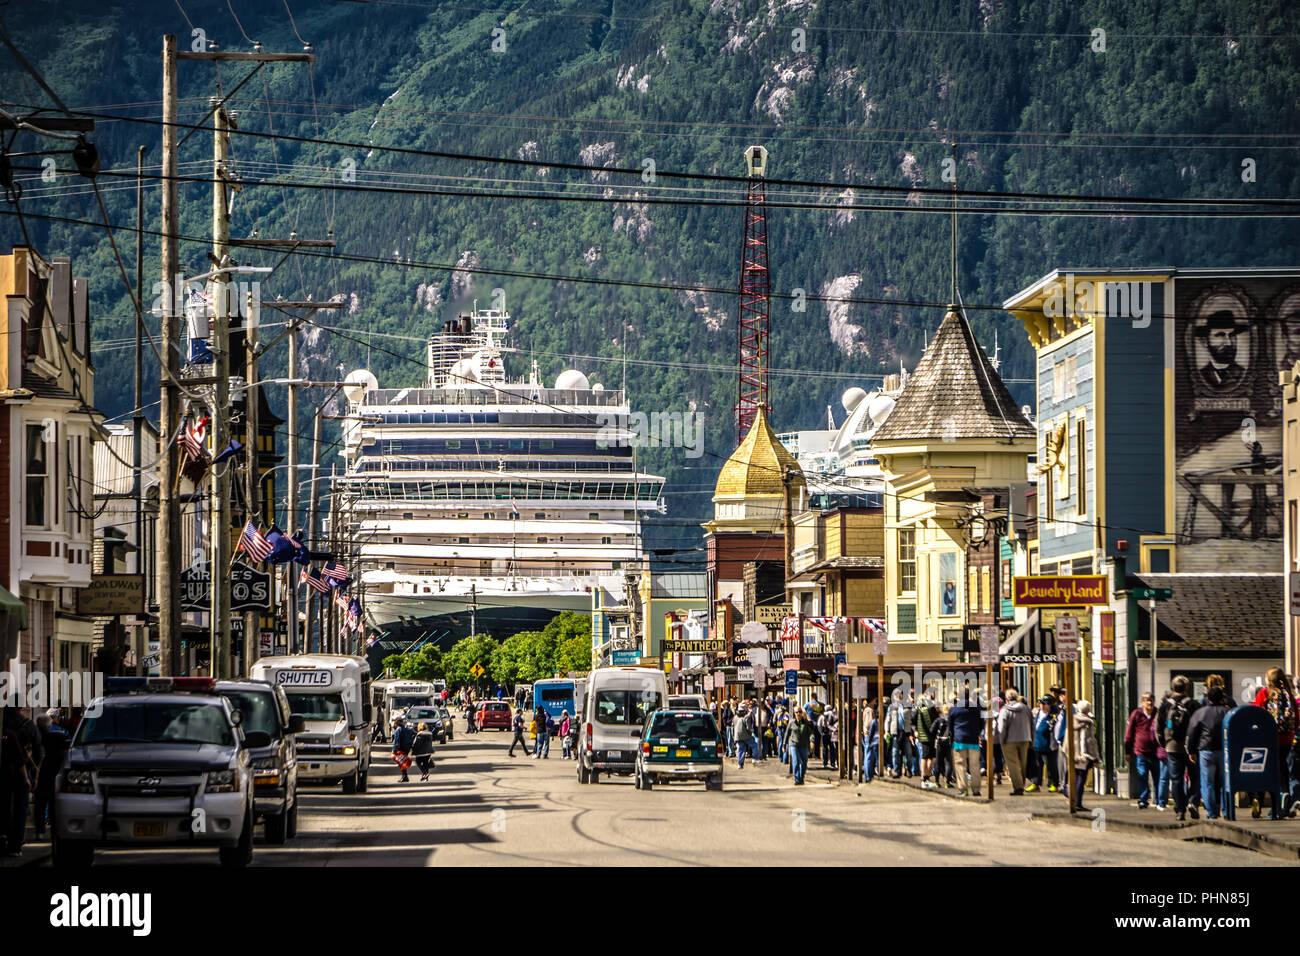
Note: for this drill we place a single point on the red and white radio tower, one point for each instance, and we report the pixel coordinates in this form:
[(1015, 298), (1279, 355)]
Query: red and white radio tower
[(754, 288)]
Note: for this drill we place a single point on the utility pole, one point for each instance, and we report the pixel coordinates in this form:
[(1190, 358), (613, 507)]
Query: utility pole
[(313, 523), (252, 469), (137, 422), (331, 609), (168, 540), (219, 529), (291, 586)]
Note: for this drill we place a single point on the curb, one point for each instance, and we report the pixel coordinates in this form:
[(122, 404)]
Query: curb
[(1210, 831)]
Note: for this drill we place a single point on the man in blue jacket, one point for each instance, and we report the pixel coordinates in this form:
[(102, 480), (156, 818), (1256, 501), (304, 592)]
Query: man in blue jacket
[(966, 723)]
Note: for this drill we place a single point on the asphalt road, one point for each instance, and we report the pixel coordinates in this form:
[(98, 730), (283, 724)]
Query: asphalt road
[(482, 807)]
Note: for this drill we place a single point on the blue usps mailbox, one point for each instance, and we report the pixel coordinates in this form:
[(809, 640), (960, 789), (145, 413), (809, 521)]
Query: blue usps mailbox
[(1250, 760)]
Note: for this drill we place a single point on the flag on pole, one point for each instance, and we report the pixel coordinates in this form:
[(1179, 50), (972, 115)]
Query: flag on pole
[(345, 583), (192, 438), (316, 581), (335, 571), (340, 602), (302, 578), (284, 548), (514, 509), (370, 641), (303, 556), (230, 451), (253, 543)]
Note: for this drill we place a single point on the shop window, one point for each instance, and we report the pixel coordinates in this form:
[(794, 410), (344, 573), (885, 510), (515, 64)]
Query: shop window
[(37, 473)]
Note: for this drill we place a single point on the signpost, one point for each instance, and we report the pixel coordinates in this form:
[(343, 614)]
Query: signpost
[(1067, 652), (1153, 595), (989, 649), (880, 644)]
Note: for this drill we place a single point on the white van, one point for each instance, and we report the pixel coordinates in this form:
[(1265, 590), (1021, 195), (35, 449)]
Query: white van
[(332, 694), (617, 702)]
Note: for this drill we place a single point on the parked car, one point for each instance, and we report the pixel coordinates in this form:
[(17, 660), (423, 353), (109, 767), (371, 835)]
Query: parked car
[(263, 706), (447, 727), (493, 713), (679, 745), (687, 702)]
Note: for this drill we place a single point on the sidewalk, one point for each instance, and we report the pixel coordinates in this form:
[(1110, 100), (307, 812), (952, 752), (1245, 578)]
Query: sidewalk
[(1277, 838), (33, 854)]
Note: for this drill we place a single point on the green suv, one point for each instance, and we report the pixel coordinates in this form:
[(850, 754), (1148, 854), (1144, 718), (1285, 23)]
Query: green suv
[(679, 745)]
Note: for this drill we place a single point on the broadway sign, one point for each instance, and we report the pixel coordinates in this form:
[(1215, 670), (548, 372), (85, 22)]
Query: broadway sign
[(1077, 590), (707, 646)]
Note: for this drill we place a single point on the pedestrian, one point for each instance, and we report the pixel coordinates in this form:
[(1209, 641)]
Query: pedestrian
[(470, 728), (830, 732), (801, 730), (565, 729), (743, 732), (54, 742), (1173, 718), (726, 715), (926, 715), (542, 748), (518, 726), (901, 724), (1205, 742), (871, 745), (782, 730), (966, 724), (1277, 696), (1086, 752), (1045, 746), (941, 734), (422, 750), (813, 711), (1140, 744), (403, 742), (1015, 732), (377, 732), (763, 730)]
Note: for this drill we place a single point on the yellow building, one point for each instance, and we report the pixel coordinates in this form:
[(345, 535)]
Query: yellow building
[(954, 430)]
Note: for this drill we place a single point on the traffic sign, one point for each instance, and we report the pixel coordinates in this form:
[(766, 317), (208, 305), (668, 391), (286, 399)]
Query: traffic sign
[(477, 670), (1153, 594), (1067, 638), (880, 643), (792, 682), (989, 644)]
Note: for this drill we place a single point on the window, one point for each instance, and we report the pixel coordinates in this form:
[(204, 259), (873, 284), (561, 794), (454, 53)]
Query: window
[(1081, 458), (626, 708), (462, 540), (606, 539), (593, 516), (947, 583), (986, 589), (36, 475), (488, 514), (453, 443), (539, 515), (1071, 376), (541, 539), (546, 444), (516, 444), (906, 561), (1058, 381), (973, 590), (1006, 579)]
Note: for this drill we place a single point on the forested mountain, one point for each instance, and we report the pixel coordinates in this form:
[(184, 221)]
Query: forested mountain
[(1168, 103)]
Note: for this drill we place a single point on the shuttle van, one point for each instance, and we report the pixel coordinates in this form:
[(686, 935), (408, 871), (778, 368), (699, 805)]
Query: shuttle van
[(618, 700), (332, 694)]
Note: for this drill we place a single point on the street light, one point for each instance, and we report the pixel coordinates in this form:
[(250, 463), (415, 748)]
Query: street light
[(237, 270)]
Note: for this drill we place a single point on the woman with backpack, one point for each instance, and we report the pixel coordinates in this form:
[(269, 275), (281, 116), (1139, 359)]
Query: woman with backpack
[(743, 732), (1174, 717), (1277, 696), (565, 729)]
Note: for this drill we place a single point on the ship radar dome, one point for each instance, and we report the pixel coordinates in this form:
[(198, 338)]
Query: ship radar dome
[(357, 383), (880, 407), (852, 397), (572, 378)]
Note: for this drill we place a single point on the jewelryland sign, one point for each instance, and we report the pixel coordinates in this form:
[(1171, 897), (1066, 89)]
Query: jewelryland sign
[(1077, 590)]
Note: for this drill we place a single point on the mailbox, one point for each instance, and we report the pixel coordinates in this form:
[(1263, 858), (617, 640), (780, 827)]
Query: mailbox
[(1250, 758)]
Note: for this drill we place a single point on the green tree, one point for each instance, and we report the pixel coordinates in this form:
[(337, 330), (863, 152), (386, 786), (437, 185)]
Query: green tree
[(424, 664), (458, 661)]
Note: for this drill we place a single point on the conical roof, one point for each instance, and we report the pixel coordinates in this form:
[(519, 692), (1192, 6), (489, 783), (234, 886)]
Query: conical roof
[(756, 466), (954, 393)]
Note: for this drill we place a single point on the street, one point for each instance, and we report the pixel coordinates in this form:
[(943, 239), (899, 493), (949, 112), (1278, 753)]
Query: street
[(482, 807)]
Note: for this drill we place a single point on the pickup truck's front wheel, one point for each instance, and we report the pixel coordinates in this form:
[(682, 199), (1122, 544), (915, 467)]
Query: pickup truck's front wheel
[(277, 828), (350, 783), (241, 854)]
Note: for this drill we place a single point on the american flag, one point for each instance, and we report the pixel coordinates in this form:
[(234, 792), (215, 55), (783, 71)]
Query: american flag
[(302, 578), (370, 641), (316, 581), (341, 602), (335, 571), (192, 438), (254, 543)]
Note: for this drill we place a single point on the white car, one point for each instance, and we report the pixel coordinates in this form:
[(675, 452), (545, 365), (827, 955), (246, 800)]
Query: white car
[(162, 763)]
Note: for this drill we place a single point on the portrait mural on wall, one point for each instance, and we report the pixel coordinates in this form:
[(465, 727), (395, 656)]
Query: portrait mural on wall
[(1227, 434)]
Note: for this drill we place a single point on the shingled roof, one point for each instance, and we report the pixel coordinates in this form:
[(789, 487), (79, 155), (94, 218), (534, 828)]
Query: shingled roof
[(1216, 613), (954, 393)]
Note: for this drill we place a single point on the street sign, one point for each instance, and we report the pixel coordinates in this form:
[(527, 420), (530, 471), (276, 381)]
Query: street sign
[(477, 670), (989, 643), (708, 682), (792, 682), (719, 679), (861, 687), (1155, 594), (1067, 638), (880, 643), (760, 676), (625, 658)]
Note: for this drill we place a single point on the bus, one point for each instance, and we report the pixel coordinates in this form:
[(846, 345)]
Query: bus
[(393, 695), (556, 695)]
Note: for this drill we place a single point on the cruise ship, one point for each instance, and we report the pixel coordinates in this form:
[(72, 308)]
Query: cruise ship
[(478, 504)]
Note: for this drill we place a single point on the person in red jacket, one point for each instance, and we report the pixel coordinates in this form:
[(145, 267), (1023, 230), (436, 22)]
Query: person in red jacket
[(1140, 744), (1277, 696)]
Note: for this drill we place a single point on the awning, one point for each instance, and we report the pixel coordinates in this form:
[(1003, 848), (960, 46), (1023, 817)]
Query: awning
[(1029, 644), (13, 618)]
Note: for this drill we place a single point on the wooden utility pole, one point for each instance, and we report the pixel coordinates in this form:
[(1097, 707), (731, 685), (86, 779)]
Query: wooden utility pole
[(137, 421), (313, 523), (168, 540), (1076, 798), (291, 585), (252, 463), (221, 645), (989, 737)]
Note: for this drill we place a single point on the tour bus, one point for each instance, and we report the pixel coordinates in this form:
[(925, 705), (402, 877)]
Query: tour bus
[(332, 694), (556, 695)]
